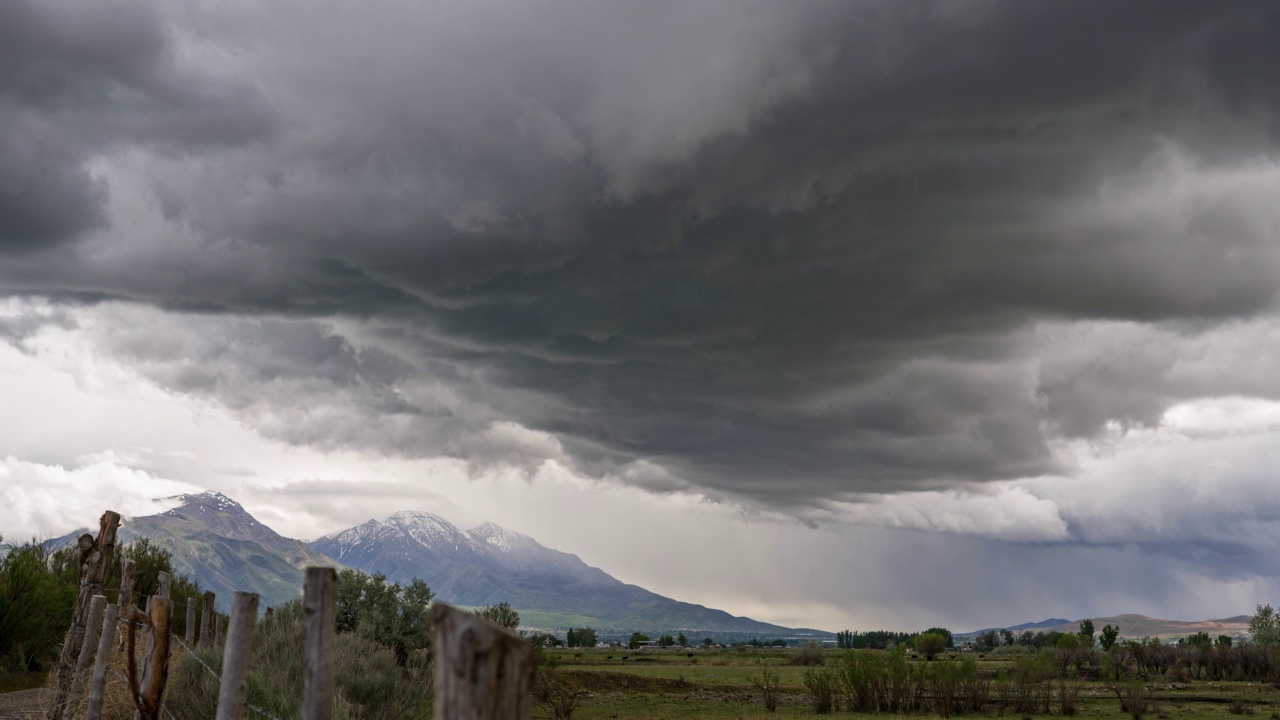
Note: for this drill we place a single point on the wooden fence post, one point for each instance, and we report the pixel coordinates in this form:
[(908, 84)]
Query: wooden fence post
[(94, 565), (206, 620), (105, 644), (125, 598), (482, 671), (191, 621), (87, 650), (219, 639), (320, 617), (234, 690), (148, 693), (164, 579)]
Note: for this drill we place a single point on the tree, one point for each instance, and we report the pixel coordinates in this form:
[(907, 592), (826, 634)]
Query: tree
[(945, 633), (500, 614), (1224, 642), (1086, 632), (684, 641), (636, 639), (1110, 633), (387, 613), (844, 640), (666, 641), (987, 640), (1200, 641), (586, 636), (1006, 636), (1264, 627), (930, 644), (707, 642), (572, 638)]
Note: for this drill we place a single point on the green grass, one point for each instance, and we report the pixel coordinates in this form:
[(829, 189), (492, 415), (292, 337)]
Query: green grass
[(718, 686)]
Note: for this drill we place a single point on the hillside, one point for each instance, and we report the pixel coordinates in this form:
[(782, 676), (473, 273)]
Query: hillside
[(1138, 626), (490, 564), (224, 548)]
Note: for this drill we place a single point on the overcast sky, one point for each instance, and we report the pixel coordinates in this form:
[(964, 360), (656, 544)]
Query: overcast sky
[(847, 315)]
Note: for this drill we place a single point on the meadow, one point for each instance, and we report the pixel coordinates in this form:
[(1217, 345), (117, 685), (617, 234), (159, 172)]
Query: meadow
[(725, 683)]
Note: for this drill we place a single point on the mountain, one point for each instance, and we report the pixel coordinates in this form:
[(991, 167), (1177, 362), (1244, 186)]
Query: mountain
[(224, 548), (1136, 626), (1042, 625), (490, 564)]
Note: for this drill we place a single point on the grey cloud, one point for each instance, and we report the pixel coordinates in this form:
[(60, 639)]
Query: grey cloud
[(781, 252)]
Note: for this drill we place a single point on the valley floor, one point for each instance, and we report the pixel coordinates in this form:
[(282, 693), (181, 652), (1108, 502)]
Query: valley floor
[(717, 684)]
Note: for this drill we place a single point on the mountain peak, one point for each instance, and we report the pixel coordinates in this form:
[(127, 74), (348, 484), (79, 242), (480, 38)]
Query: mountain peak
[(214, 500), (499, 538)]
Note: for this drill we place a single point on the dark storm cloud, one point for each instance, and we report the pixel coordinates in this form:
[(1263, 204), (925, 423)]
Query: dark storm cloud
[(780, 252), (80, 81)]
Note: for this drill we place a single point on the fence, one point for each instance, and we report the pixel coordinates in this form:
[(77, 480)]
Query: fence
[(481, 671)]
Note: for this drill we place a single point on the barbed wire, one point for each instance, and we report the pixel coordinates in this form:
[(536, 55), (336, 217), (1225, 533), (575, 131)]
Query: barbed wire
[(215, 675)]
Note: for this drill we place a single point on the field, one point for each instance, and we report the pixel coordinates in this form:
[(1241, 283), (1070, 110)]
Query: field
[(718, 684)]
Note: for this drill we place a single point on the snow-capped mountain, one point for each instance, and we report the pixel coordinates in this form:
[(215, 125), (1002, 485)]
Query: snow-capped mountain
[(490, 564)]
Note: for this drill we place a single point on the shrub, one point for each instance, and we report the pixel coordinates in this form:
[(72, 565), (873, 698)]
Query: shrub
[(767, 683), (822, 689), (810, 653)]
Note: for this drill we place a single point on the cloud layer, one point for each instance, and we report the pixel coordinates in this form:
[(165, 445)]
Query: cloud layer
[(903, 263)]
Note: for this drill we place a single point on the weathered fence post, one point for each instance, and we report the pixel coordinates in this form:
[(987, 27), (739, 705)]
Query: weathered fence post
[(219, 639), (147, 693), (191, 621), (104, 660), (206, 620), (87, 650), (94, 564), (320, 615), (234, 690), (125, 598), (165, 579), (482, 671)]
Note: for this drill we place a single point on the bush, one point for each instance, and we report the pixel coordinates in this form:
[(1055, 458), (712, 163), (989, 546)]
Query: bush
[(767, 683), (810, 653), (822, 689)]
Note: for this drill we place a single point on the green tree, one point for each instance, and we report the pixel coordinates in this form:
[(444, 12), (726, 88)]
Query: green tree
[(1086, 632), (35, 607), (844, 640), (1200, 641), (1224, 642), (571, 638), (684, 641), (1264, 627), (586, 637), (945, 633), (387, 613), (666, 641), (1110, 633), (636, 639), (707, 642), (500, 614), (930, 644)]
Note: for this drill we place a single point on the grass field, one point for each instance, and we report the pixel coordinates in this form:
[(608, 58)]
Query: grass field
[(717, 684)]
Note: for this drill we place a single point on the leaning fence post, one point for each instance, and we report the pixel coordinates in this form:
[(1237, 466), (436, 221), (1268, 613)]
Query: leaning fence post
[(234, 690), (125, 598), (219, 639), (164, 579), (148, 693), (320, 616), (104, 659), (206, 620), (191, 620), (93, 565), (482, 671)]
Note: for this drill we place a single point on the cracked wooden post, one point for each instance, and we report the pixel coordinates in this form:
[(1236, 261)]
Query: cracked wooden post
[(164, 579), (219, 639), (482, 671), (105, 644), (206, 620), (320, 617), (97, 605), (148, 693), (94, 564), (191, 621), (233, 691), (125, 598)]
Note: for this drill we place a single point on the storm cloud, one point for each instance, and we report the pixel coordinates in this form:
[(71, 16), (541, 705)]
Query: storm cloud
[(800, 255)]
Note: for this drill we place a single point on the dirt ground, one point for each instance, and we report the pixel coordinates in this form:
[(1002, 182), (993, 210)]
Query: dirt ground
[(22, 705)]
